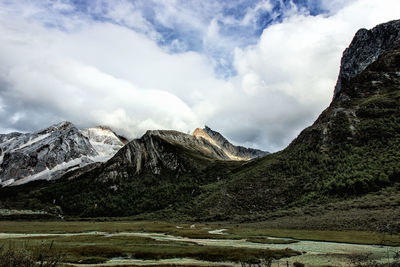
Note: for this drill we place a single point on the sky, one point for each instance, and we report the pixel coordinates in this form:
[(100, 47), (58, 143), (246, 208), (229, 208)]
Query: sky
[(258, 71)]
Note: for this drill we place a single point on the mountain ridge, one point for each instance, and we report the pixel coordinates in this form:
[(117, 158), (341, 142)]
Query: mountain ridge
[(365, 48), (50, 152), (99, 144), (152, 152), (237, 151)]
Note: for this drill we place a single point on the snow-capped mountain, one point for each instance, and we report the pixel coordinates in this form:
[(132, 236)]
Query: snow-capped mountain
[(104, 141), (50, 153)]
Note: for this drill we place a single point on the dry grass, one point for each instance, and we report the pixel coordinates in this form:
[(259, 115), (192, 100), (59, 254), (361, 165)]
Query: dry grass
[(243, 231), (98, 249)]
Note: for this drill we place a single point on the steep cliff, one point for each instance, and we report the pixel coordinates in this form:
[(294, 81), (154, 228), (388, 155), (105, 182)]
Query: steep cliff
[(365, 48)]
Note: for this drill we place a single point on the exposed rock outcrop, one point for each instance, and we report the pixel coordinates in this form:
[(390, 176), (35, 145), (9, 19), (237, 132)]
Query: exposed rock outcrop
[(365, 48), (234, 152), (368, 95)]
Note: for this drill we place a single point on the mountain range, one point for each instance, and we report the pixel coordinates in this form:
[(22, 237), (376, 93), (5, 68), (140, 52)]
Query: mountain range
[(50, 153), (342, 172)]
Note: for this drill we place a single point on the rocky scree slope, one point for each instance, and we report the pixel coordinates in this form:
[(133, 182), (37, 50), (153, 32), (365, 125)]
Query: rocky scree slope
[(50, 153)]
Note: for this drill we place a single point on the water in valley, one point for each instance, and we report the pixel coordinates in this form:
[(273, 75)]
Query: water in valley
[(314, 253)]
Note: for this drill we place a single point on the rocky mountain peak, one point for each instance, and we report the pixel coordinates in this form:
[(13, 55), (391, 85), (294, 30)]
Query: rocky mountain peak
[(200, 133), (101, 134), (159, 151), (234, 152), (61, 126), (51, 152), (367, 101), (41, 154), (104, 141), (365, 48)]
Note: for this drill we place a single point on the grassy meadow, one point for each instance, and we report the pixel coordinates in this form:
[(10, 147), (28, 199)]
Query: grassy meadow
[(87, 245)]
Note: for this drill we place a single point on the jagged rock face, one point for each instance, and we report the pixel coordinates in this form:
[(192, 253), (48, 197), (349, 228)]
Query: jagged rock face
[(157, 150), (370, 96), (365, 48), (52, 152), (234, 152), (24, 155), (370, 71)]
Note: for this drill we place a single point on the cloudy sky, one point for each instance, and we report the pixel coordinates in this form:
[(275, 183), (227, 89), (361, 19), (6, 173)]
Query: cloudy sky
[(258, 71)]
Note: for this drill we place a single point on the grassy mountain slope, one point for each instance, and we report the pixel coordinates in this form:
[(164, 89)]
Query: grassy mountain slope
[(352, 149)]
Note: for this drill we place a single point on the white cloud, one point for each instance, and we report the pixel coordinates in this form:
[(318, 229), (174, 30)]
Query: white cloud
[(289, 75), (84, 77), (102, 73)]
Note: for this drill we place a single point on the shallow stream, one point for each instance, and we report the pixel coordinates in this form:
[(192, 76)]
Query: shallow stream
[(314, 253)]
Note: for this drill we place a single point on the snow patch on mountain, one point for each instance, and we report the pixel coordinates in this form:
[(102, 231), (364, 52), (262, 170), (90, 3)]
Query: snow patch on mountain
[(50, 153), (34, 140), (104, 141), (49, 174)]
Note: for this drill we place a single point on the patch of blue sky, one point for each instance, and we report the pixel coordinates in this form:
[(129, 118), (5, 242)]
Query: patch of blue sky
[(177, 36), (238, 9)]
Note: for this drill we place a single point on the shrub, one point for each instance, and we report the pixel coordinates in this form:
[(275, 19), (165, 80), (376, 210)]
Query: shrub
[(44, 256), (16, 257), (298, 264)]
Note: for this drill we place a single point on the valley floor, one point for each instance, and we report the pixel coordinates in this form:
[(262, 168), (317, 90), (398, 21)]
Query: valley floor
[(127, 243)]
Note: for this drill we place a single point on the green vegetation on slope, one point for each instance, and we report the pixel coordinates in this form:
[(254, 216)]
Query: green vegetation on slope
[(353, 149)]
